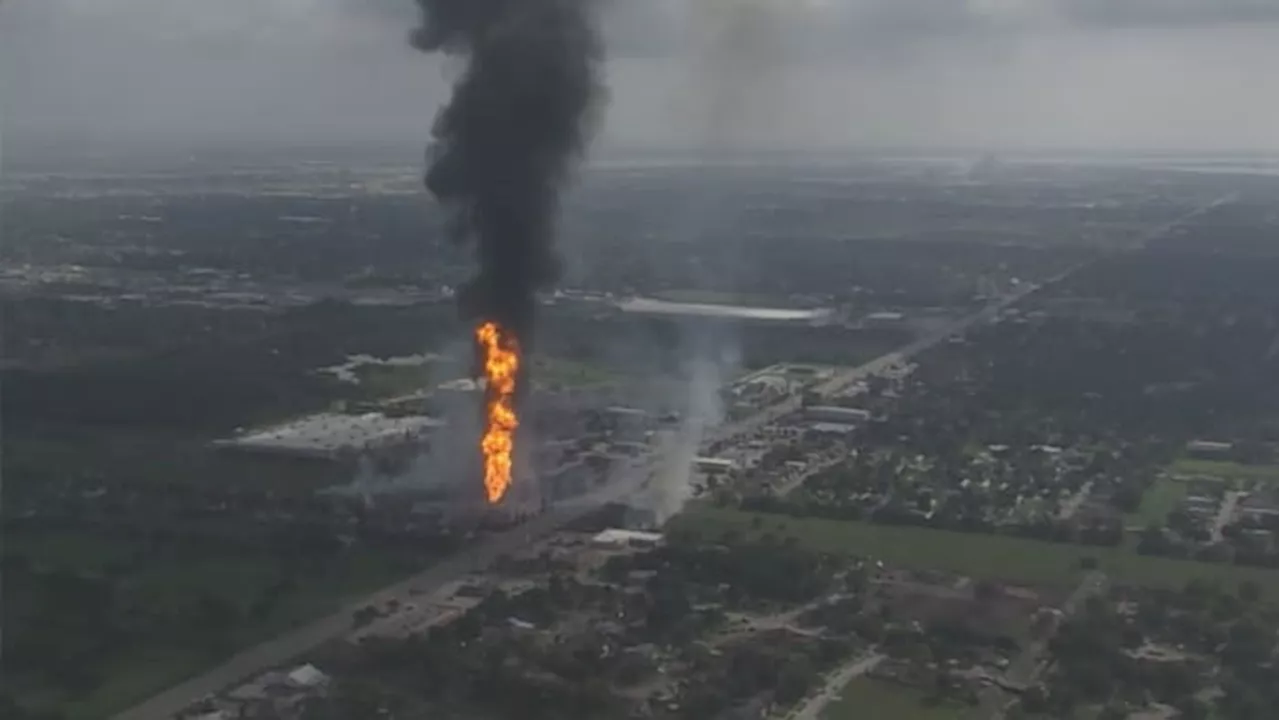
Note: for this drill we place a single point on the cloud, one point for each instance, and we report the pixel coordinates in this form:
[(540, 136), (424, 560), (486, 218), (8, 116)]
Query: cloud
[(1170, 13), (647, 28), (854, 28), (838, 72)]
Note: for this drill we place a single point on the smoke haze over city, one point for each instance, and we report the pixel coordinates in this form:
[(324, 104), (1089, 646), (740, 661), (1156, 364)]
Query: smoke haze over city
[(638, 359), (992, 74)]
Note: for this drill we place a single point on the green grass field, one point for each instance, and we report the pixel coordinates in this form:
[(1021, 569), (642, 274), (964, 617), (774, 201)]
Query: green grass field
[(867, 699), (570, 373), (167, 584), (1158, 501), (1223, 469), (996, 557), (380, 381)]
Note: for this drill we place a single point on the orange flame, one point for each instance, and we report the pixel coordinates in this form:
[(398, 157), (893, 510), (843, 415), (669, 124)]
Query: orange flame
[(501, 362)]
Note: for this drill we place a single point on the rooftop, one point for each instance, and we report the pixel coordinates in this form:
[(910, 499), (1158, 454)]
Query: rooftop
[(617, 536), (664, 307), (307, 676), (462, 385), (327, 433), (833, 428)]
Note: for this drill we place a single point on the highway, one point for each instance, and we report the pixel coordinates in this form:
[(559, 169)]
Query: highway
[(295, 643), (1028, 663), (848, 376), (812, 708), (291, 645)]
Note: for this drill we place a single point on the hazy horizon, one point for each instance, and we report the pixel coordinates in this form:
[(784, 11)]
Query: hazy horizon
[(90, 76)]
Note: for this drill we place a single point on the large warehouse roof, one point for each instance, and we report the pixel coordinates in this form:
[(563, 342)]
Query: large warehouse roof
[(651, 306), (328, 433)]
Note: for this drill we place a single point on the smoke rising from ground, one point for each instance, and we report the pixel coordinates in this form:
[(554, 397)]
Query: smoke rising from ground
[(438, 466), (735, 45), (503, 146), (709, 360), (736, 48)]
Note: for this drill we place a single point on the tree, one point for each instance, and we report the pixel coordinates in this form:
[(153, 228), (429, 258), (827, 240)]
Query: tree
[(985, 591), (1035, 700), (1250, 592), (1198, 592), (1153, 541), (1113, 712), (1063, 701), (1241, 702), (794, 680), (1248, 645), (1190, 708), (364, 616)]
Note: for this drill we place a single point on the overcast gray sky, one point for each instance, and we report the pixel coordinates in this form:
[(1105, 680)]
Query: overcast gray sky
[(1127, 74)]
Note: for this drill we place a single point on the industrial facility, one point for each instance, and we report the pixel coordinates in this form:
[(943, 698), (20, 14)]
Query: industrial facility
[(836, 414), (711, 311), (332, 435)]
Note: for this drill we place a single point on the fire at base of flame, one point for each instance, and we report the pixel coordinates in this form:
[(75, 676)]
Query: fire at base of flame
[(501, 363)]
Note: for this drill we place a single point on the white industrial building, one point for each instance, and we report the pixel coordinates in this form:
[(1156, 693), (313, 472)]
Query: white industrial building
[(713, 465), (464, 385), (830, 428), (651, 306), (307, 676), (619, 538), (836, 414), (1208, 448), (327, 435), (883, 318), (627, 423)]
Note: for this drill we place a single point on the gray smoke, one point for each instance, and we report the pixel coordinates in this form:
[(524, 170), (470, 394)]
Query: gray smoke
[(439, 465)]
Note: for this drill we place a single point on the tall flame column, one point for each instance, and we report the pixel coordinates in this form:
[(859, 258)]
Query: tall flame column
[(500, 353)]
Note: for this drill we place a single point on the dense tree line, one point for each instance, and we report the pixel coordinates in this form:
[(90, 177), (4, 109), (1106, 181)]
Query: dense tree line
[(1226, 635)]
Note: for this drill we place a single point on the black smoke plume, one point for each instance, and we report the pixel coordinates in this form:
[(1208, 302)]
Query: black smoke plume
[(502, 148)]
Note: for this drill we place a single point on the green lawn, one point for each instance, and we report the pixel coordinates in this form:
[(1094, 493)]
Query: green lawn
[(144, 671), (1158, 501), (571, 373), (996, 557), (166, 584), (867, 699), (82, 551), (380, 381), (1223, 469)]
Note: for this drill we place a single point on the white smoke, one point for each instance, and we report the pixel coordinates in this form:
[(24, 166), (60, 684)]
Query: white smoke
[(442, 462), (710, 359), (734, 50)]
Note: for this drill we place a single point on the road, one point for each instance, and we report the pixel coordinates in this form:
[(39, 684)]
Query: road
[(291, 645), (989, 313), (1225, 513), (813, 707), (1074, 502), (298, 642), (847, 377), (1158, 231), (785, 488), (1024, 668)]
